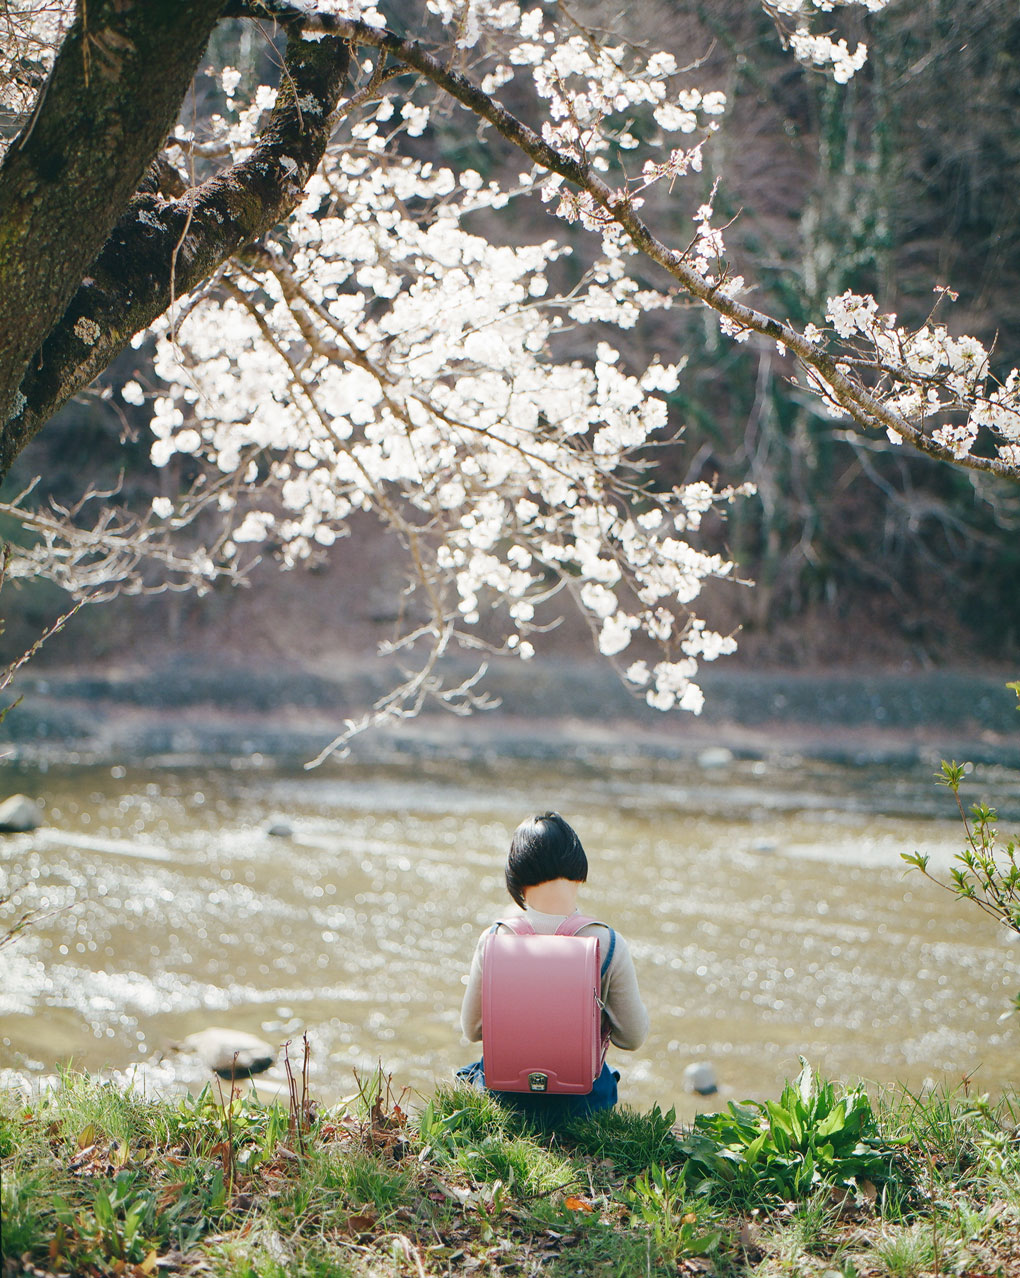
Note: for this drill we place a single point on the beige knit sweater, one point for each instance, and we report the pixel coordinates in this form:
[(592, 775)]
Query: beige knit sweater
[(628, 1019)]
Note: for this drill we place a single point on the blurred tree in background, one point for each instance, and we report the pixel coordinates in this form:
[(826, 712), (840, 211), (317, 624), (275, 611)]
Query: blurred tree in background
[(899, 180)]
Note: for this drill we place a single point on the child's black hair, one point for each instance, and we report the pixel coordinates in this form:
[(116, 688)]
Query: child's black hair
[(543, 848)]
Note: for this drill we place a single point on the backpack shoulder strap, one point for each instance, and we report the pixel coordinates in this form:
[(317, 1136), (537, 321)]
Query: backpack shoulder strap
[(573, 924), (519, 925), (609, 952)]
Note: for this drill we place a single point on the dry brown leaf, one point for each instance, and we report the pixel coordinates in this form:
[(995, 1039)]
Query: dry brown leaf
[(170, 1194), (359, 1222), (573, 1203)]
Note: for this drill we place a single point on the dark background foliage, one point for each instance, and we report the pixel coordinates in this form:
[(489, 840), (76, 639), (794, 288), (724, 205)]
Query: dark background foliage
[(904, 179)]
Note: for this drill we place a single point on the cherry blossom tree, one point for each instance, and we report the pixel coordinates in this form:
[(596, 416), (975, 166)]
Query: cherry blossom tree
[(333, 333)]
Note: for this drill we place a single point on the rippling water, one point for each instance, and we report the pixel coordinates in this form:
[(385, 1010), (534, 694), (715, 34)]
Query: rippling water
[(765, 903)]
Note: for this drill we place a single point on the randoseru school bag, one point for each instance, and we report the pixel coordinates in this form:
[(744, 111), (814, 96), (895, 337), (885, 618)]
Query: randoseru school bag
[(543, 1028)]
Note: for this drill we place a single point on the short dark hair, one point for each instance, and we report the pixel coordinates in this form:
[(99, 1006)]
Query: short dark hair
[(543, 848)]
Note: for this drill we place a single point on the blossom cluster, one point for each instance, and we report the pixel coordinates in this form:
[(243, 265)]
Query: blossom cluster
[(592, 90), (378, 356), (941, 384), (823, 51), (819, 49), (390, 361), (355, 10), (395, 363)]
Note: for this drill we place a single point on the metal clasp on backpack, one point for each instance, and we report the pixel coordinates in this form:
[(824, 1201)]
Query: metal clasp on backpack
[(538, 1082)]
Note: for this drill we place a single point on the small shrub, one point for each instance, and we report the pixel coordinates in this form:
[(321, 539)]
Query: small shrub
[(987, 871), (781, 1150), (659, 1200)]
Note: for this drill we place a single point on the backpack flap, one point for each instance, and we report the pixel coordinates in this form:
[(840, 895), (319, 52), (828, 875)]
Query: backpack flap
[(541, 1012)]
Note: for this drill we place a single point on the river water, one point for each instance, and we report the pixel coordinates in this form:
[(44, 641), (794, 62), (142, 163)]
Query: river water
[(765, 903)]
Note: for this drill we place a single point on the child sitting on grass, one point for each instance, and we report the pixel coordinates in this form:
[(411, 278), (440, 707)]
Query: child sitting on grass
[(545, 868)]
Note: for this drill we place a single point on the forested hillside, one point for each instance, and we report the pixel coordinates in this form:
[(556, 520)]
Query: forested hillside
[(859, 552)]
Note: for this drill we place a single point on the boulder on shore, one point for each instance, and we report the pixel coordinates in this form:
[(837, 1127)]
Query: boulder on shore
[(699, 1077), (19, 814), (231, 1053)]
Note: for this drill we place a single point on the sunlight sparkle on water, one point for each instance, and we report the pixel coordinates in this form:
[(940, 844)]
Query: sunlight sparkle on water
[(784, 926)]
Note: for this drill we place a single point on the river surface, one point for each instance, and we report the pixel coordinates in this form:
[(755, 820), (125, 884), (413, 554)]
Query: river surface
[(765, 903)]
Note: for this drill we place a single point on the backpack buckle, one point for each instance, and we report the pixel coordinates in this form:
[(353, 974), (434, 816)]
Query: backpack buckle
[(538, 1082)]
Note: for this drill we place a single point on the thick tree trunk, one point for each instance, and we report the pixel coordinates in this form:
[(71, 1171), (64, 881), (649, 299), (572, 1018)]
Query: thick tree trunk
[(150, 249), (114, 93)]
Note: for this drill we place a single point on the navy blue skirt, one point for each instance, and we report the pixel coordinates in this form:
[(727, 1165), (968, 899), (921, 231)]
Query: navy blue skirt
[(555, 1108)]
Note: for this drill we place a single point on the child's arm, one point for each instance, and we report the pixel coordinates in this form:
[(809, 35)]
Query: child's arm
[(471, 1007), (628, 1019)]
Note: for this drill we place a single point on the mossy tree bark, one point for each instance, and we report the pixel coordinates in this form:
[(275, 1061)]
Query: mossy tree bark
[(90, 251)]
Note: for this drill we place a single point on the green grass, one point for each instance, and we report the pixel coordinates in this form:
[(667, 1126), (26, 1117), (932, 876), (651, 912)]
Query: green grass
[(25, 1205), (824, 1181), (624, 1141), (908, 1252)]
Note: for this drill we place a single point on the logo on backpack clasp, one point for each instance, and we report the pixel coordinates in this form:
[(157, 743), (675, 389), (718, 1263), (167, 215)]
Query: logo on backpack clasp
[(538, 1082)]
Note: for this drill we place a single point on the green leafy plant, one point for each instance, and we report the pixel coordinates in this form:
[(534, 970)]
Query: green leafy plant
[(987, 870), (757, 1152), (659, 1199), (117, 1225)]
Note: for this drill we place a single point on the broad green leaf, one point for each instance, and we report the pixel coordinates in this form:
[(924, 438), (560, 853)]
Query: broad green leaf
[(754, 1149), (834, 1121), (702, 1244), (780, 1117)]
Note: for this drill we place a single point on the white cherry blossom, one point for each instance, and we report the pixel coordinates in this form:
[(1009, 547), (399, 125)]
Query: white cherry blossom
[(378, 354)]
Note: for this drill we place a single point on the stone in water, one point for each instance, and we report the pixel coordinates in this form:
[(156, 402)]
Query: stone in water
[(715, 757), (217, 1048), (19, 814), (699, 1077)]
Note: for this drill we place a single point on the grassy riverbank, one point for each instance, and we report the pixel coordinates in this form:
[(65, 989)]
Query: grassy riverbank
[(822, 1181)]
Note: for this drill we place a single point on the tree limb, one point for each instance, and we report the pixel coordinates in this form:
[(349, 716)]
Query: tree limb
[(859, 404), (160, 247), (114, 92)]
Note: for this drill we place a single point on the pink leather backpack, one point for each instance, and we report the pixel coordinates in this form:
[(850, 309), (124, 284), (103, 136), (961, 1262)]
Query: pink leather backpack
[(542, 1016)]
